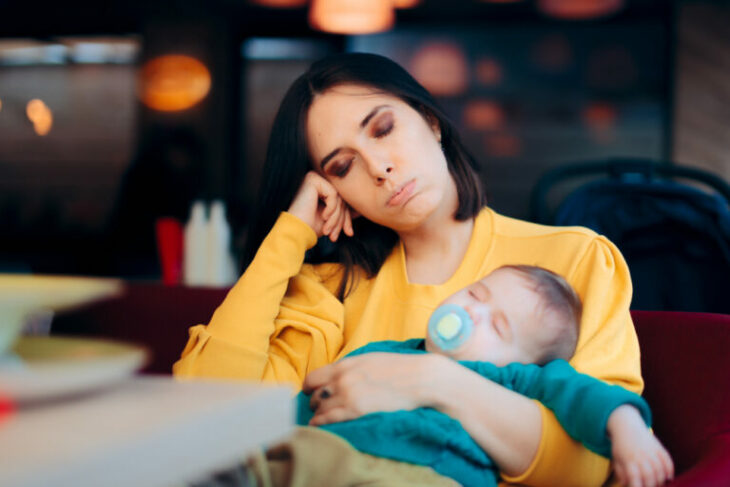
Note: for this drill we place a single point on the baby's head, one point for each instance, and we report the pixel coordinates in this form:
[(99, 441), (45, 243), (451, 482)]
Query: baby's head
[(521, 313)]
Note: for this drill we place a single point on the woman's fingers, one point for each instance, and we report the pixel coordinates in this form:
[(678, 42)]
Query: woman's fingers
[(348, 222), (340, 222), (333, 415), (330, 225), (318, 378)]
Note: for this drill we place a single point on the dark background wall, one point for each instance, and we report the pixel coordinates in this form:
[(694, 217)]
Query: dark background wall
[(565, 91)]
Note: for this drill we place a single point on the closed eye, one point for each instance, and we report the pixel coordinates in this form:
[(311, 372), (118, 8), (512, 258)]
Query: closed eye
[(340, 168), (383, 131), (383, 125)]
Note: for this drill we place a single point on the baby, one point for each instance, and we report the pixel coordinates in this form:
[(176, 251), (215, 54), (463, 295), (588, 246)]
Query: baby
[(517, 326)]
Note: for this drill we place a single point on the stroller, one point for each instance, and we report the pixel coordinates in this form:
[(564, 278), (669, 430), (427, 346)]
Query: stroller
[(674, 236)]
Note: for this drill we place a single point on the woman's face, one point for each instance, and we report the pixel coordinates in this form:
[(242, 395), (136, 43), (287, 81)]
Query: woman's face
[(381, 155)]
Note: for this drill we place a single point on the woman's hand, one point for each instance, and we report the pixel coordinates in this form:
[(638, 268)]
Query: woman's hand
[(318, 204), (368, 383)]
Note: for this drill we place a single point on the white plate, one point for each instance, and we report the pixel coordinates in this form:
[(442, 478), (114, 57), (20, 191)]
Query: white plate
[(22, 294), (44, 368)]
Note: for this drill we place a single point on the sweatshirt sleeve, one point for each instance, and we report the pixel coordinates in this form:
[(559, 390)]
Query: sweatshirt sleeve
[(277, 323), (608, 349)]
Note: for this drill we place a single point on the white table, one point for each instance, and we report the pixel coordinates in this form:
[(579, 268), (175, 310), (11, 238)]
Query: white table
[(146, 431)]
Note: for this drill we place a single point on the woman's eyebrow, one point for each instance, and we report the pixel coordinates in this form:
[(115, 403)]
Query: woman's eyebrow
[(363, 123)]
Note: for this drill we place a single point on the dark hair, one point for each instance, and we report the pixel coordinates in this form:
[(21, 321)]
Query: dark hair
[(559, 297), (287, 158)]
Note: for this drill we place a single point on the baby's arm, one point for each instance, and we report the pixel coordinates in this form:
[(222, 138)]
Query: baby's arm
[(638, 458)]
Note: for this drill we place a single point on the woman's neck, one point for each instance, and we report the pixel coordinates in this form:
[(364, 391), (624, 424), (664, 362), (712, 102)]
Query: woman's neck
[(434, 251)]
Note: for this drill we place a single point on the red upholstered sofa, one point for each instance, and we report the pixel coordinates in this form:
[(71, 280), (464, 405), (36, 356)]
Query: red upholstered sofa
[(685, 360)]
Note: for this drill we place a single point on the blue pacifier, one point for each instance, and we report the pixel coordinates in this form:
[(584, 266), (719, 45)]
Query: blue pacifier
[(450, 326)]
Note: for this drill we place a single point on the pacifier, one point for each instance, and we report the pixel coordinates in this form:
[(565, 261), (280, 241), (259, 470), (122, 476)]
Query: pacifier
[(450, 326)]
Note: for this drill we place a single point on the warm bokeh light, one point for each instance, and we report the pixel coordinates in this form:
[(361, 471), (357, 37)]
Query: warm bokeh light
[(489, 72), (405, 3), (579, 9), (483, 115), (1, 105), (280, 3), (502, 145), (351, 16), (441, 67), (552, 53), (173, 83), (40, 115), (601, 118)]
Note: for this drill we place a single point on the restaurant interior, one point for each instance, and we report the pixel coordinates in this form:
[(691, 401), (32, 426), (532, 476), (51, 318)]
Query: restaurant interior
[(133, 137)]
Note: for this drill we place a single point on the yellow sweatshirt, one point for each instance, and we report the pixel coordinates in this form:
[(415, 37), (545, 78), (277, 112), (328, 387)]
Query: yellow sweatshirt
[(282, 320)]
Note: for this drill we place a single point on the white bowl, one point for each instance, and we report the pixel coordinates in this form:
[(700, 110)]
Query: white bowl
[(22, 294)]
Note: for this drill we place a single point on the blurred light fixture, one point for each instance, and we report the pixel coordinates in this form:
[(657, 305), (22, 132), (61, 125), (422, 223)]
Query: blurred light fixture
[(173, 82), (601, 118), (488, 72), (100, 50), (502, 145), (405, 3), (441, 67), (579, 9), (40, 115), (280, 3), (29, 52), (1, 105), (482, 114), (351, 16)]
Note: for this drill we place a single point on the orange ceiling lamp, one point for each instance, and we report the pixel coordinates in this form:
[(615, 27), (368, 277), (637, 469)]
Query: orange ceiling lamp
[(482, 114), (441, 67), (280, 3), (488, 72), (40, 115), (173, 83), (351, 16), (405, 3), (579, 9)]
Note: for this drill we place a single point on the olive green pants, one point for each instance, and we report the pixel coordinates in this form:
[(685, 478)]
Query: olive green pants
[(314, 457)]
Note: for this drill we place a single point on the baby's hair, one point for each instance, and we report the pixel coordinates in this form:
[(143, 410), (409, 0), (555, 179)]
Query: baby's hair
[(559, 299)]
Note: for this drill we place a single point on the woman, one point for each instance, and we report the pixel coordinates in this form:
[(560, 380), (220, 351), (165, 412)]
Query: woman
[(360, 153)]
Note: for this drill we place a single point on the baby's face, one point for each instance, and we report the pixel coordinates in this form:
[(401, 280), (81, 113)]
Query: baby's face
[(504, 310)]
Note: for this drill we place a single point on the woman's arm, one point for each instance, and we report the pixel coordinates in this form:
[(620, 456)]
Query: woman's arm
[(505, 424), (278, 322)]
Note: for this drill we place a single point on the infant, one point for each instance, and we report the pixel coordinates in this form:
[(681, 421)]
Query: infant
[(517, 326)]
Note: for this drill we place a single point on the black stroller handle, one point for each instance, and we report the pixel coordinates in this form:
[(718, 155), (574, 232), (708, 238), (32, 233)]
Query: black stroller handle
[(618, 168)]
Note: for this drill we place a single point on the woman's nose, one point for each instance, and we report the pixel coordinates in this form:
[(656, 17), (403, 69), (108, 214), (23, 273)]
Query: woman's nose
[(380, 169), (383, 174)]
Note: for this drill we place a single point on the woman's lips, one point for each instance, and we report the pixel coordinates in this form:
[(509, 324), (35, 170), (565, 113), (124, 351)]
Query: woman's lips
[(403, 194)]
